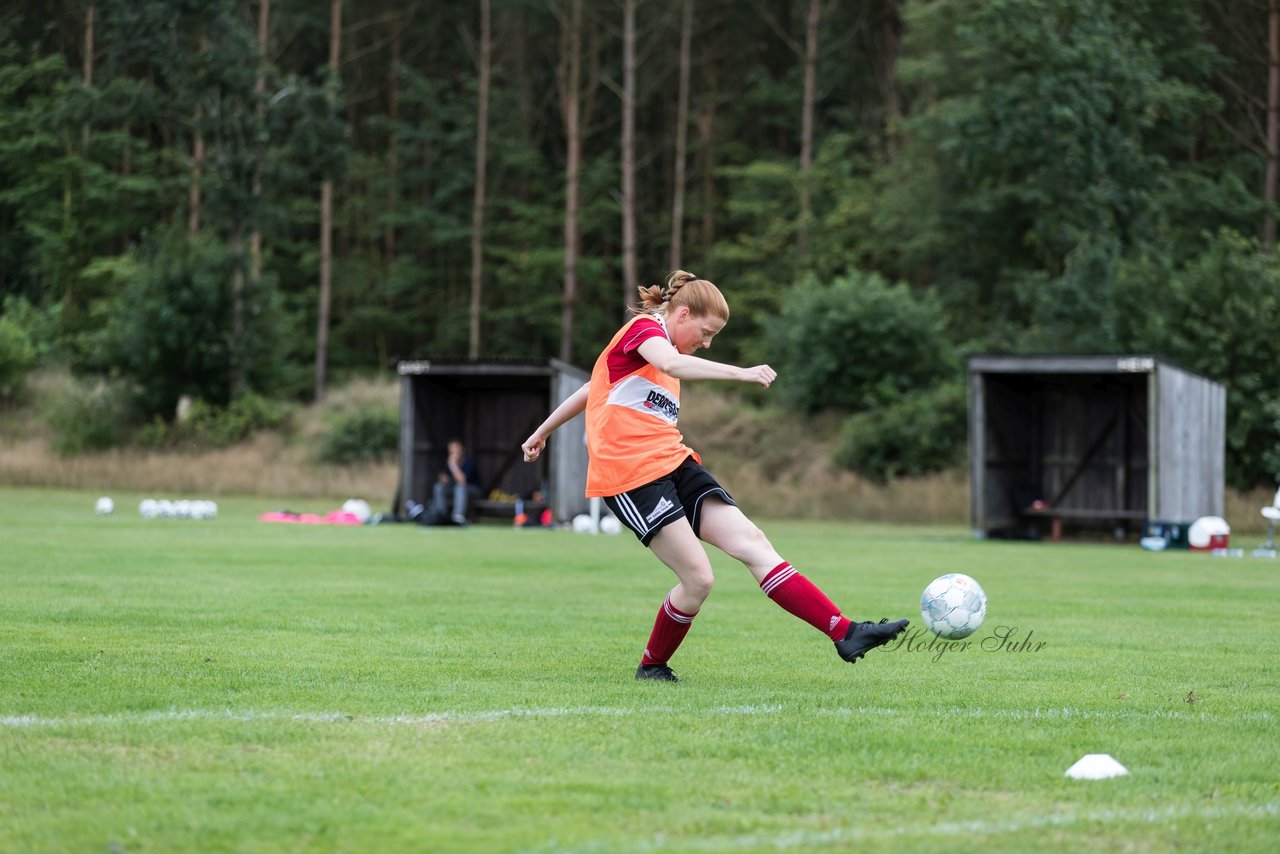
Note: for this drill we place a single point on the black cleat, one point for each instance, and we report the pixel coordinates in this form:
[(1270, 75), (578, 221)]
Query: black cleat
[(863, 637), (660, 672)]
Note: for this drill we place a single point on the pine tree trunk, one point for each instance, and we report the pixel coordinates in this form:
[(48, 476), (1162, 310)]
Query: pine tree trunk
[(197, 176), (88, 45), (477, 206), (682, 138), (1273, 122), (524, 84), (326, 219), (197, 163), (255, 234), (707, 150), (806, 125), (630, 275), (126, 170), (88, 67), (260, 87), (236, 245), (892, 103), (393, 143), (570, 93)]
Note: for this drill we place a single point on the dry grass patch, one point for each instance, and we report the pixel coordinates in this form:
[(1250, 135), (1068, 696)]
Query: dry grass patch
[(777, 464), (267, 464)]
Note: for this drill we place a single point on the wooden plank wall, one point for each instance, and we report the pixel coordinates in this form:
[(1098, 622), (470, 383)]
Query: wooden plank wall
[(568, 448), (1190, 446), (1102, 413)]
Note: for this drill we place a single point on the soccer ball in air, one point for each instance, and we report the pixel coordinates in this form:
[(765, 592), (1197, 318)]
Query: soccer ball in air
[(953, 606)]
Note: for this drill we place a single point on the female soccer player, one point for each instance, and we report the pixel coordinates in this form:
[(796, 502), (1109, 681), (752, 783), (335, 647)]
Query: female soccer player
[(657, 486)]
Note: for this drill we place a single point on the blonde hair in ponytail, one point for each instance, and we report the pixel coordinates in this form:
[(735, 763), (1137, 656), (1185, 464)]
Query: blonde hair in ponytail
[(702, 298)]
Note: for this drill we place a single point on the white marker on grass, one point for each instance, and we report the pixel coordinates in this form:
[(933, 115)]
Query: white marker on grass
[(1096, 766)]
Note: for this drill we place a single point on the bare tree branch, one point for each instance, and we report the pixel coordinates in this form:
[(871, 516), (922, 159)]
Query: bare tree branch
[(778, 29)]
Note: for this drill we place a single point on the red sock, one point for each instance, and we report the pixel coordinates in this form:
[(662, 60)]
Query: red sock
[(669, 629), (799, 596)]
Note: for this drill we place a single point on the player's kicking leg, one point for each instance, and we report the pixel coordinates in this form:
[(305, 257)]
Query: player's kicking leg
[(728, 529)]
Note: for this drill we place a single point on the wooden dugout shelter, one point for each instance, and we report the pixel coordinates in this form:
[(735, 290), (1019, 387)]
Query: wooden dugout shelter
[(1094, 440), (492, 406)]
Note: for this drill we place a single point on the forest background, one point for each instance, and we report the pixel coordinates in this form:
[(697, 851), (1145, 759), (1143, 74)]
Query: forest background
[(241, 204)]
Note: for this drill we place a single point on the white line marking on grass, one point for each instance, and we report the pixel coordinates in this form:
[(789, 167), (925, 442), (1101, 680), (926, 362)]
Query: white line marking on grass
[(486, 716), (480, 716), (954, 829)]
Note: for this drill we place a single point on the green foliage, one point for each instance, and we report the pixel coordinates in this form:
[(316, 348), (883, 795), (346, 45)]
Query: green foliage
[(39, 325), (858, 343), (208, 426), (1047, 127), (169, 330), (919, 434), (1271, 456), (89, 415), (1077, 311), (360, 436), (1217, 315), (17, 355)]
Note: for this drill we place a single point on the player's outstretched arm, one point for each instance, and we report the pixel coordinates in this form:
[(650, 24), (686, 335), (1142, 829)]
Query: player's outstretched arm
[(659, 353), (571, 406)]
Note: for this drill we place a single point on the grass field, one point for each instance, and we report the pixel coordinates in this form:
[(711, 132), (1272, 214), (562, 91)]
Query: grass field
[(231, 685)]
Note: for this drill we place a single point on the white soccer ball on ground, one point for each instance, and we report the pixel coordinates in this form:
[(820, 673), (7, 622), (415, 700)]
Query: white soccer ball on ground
[(104, 506), (359, 508), (953, 606), (610, 525), (148, 508), (582, 524)]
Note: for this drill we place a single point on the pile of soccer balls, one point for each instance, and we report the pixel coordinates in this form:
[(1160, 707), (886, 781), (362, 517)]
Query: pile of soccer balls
[(953, 606), (163, 508)]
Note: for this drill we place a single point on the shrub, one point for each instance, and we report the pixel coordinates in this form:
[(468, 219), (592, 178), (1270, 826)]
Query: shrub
[(858, 343), (168, 327), (362, 435), (209, 426), (17, 356), (1271, 457), (919, 434), (88, 417)]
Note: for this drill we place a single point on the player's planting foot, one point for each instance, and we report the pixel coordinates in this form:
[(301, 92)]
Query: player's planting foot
[(660, 672), (863, 637)]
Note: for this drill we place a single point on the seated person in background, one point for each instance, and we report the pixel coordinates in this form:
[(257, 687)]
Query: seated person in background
[(459, 477)]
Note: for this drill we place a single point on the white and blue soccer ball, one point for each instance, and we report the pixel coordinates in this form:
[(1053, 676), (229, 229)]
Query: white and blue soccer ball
[(953, 606)]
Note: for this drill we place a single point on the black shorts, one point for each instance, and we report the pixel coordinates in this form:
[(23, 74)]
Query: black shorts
[(648, 509)]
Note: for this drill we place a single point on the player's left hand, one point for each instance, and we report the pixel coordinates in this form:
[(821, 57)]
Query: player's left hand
[(760, 374), (532, 448)]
